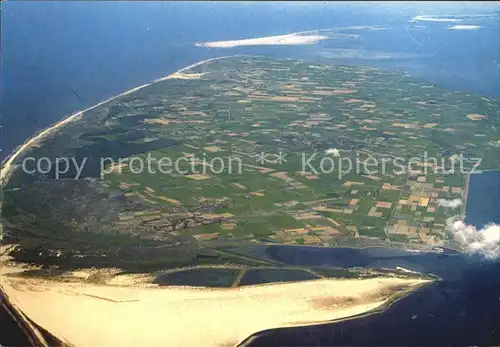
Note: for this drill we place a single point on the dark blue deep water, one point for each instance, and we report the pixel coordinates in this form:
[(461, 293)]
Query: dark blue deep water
[(483, 199)]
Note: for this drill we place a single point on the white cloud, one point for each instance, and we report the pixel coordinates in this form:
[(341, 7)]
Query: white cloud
[(454, 203), (465, 27), (485, 241)]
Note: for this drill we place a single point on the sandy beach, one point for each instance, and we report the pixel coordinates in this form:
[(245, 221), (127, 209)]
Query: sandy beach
[(85, 314), (289, 39)]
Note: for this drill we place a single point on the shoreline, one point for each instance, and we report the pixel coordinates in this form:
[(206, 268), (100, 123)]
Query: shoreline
[(234, 311), (8, 163), (387, 304)]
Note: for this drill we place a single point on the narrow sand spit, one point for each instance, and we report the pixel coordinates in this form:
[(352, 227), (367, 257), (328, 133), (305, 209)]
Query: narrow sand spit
[(289, 39), (9, 164), (103, 315)]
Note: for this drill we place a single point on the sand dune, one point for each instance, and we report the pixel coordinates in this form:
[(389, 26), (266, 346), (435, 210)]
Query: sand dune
[(103, 315)]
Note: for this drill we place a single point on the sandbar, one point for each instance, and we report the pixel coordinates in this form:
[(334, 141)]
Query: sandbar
[(85, 314), (289, 39)]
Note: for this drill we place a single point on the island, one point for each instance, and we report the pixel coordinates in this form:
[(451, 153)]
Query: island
[(166, 201)]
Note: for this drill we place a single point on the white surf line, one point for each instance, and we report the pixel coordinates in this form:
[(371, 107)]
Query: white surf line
[(7, 165)]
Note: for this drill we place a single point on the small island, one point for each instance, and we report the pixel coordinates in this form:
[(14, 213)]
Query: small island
[(148, 314), (158, 209)]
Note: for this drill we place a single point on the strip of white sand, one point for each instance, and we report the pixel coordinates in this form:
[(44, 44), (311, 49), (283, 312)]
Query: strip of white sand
[(289, 39), (8, 164), (103, 315), (465, 27)]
